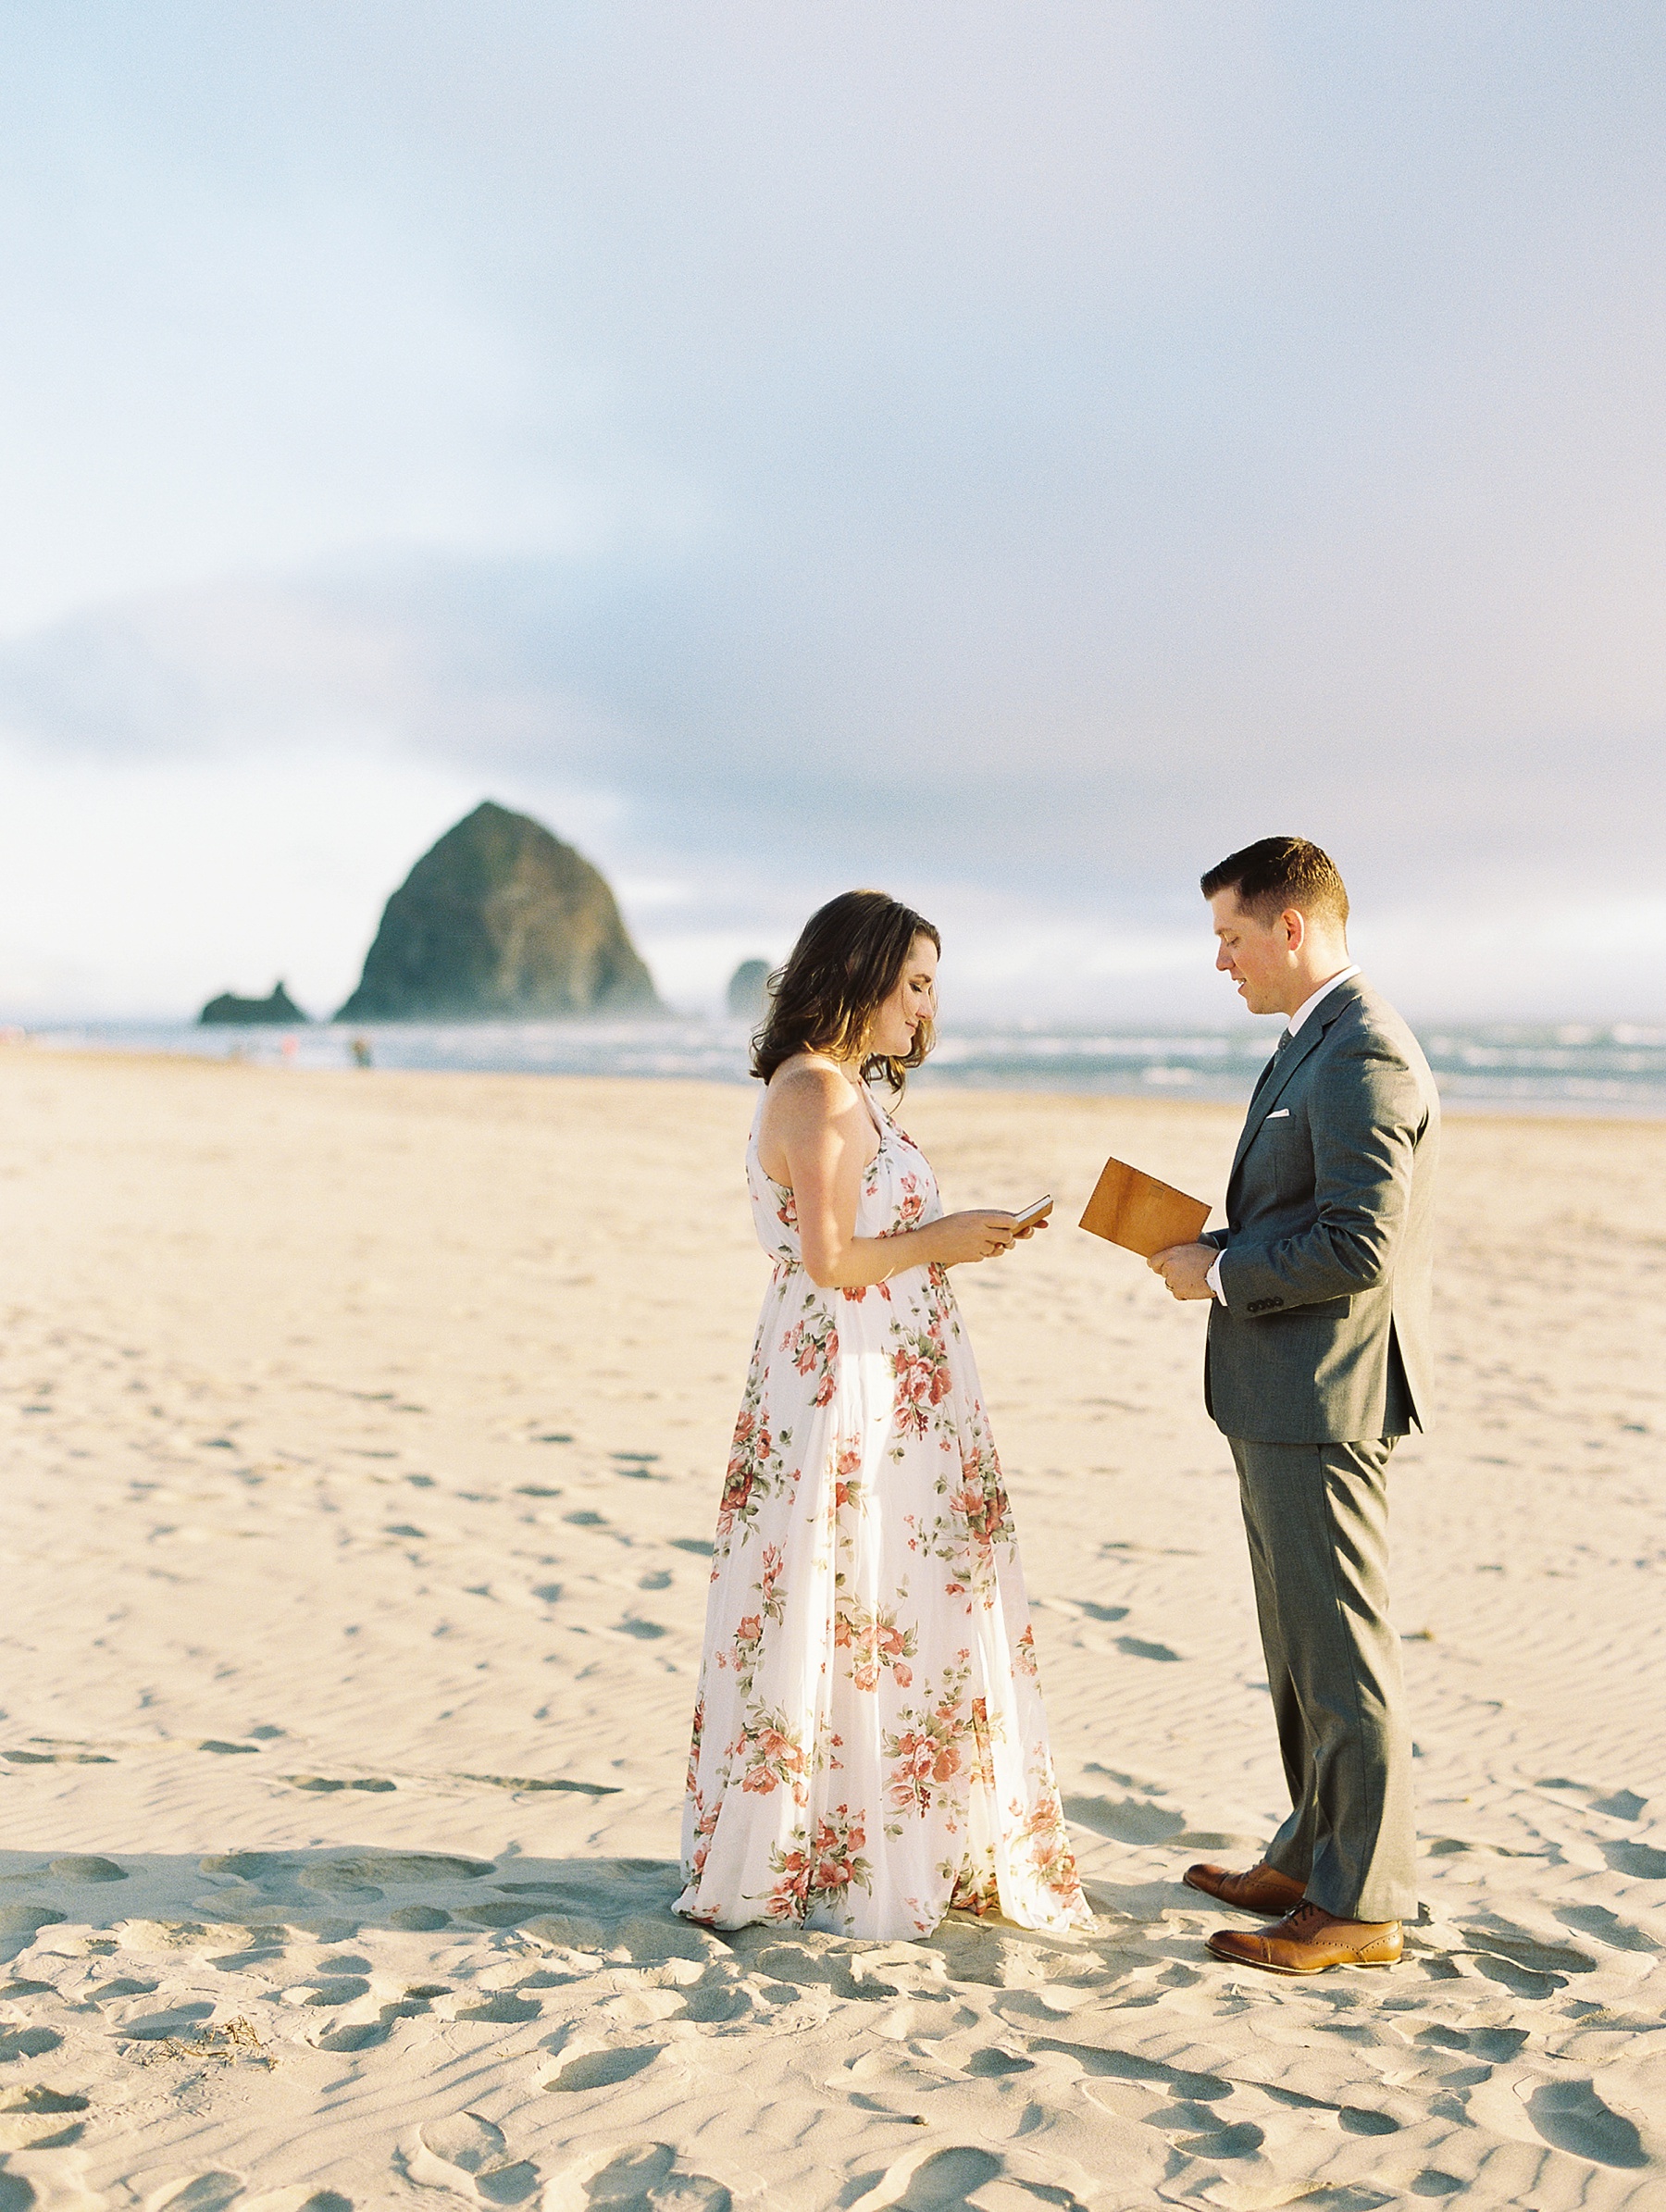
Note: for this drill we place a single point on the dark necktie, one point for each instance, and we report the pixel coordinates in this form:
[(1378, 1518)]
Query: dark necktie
[(1269, 1066)]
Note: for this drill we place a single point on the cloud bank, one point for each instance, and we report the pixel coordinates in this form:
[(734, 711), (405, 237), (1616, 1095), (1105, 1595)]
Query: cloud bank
[(1015, 457)]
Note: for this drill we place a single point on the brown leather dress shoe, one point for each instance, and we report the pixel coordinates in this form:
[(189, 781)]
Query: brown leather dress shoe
[(1310, 1942), (1262, 1889)]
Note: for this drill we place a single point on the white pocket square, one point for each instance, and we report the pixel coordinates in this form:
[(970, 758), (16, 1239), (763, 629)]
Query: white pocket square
[(1279, 1113)]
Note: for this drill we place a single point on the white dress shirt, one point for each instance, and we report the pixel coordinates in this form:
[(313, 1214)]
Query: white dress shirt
[(1291, 1027)]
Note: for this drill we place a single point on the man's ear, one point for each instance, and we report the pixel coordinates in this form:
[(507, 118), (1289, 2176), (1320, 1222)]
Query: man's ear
[(1296, 927)]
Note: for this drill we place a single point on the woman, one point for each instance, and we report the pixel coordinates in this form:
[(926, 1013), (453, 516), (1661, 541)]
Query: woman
[(869, 1743)]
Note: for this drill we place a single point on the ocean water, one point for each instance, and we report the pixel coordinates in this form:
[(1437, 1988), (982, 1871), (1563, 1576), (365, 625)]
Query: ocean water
[(1618, 1068)]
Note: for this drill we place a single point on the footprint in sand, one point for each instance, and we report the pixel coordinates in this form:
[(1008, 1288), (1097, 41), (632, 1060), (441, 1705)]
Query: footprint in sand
[(390, 1867), (181, 2021), (38, 2098), (504, 2010), (1128, 2066), (28, 2043), (352, 1881), (90, 1869), (1497, 2046), (950, 2180), (989, 2066), (28, 1920), (716, 2006), (344, 1989), (1364, 2120), (1214, 2142), (1522, 1963), (636, 1463), (1571, 2117), (645, 2178), (301, 2198), (535, 1782), (1128, 1820), (468, 2146), (206, 2192), (495, 1914), (57, 1759), (325, 1783), (604, 2069), (1606, 1926), (1642, 1861), (1624, 1805)]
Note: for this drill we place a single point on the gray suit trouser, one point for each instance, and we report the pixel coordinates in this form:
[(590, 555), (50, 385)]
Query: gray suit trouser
[(1317, 1518)]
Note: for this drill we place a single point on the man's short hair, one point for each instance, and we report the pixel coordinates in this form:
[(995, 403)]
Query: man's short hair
[(1276, 873)]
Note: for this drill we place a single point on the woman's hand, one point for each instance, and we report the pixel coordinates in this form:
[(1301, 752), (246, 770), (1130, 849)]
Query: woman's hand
[(958, 1237), (817, 1138)]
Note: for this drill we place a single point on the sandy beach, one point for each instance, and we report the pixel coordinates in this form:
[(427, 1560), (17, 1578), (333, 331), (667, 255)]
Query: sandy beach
[(363, 1443)]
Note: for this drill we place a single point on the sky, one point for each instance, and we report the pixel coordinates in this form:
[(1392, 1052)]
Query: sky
[(1013, 455)]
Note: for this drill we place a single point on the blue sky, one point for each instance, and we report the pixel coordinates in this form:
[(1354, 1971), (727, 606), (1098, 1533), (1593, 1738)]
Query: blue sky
[(1008, 455)]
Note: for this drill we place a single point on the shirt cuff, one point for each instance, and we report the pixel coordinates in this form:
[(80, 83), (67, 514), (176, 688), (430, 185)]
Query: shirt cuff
[(1213, 1279)]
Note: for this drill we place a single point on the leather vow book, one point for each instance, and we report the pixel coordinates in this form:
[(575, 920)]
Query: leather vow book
[(1133, 1210)]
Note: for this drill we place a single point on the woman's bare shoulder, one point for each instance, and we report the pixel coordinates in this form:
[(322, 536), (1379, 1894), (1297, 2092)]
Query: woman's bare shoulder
[(808, 1089)]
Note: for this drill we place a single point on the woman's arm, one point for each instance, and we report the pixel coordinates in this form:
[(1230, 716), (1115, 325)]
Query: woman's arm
[(818, 1125)]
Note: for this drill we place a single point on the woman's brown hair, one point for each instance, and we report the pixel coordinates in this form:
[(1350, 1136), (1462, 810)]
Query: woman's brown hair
[(849, 959)]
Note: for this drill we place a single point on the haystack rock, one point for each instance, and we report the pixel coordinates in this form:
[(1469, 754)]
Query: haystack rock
[(500, 920), (748, 990), (279, 1009)]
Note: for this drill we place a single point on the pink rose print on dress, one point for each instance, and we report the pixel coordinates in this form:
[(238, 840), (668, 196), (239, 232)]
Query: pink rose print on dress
[(1041, 1829), (819, 1868), (911, 1205), (813, 1347), (775, 1757), (876, 1645), (865, 1584), (847, 1483), (929, 1751), (982, 1501), (920, 1368)]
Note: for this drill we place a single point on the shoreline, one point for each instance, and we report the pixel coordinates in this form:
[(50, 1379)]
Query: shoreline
[(1159, 1097)]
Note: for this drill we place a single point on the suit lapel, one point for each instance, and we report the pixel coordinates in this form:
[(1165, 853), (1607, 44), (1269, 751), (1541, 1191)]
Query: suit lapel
[(1283, 1065)]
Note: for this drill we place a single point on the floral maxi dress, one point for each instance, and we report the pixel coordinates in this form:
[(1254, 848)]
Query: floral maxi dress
[(869, 1743)]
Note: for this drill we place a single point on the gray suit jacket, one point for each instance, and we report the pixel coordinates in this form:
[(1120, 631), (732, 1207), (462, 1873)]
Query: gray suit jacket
[(1328, 1247)]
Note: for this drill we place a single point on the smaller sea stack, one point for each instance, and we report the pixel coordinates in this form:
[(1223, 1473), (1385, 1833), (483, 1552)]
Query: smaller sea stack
[(278, 1012), (748, 990)]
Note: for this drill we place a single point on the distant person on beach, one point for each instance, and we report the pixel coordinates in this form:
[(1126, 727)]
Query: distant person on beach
[(1318, 1362), (869, 1743)]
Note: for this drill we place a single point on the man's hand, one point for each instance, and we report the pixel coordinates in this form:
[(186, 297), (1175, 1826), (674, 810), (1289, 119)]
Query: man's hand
[(1185, 1268)]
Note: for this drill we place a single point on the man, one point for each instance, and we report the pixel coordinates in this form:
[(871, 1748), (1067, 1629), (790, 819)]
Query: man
[(1318, 1359)]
